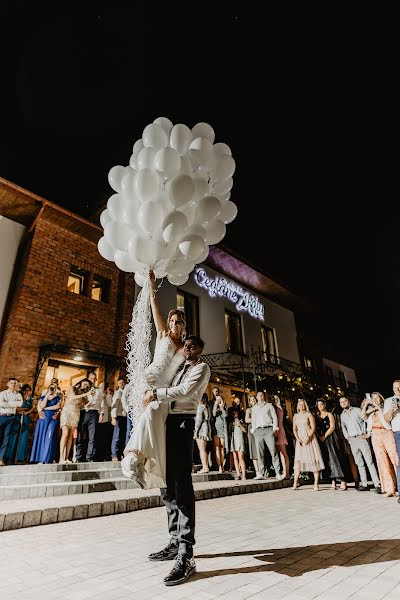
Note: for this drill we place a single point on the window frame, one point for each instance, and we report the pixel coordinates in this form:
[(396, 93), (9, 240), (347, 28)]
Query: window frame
[(230, 314), (83, 276), (188, 299)]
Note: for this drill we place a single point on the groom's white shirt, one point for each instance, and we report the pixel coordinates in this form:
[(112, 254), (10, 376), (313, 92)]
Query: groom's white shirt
[(184, 397)]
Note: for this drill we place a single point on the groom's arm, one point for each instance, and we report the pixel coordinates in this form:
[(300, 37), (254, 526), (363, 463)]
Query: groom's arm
[(195, 382)]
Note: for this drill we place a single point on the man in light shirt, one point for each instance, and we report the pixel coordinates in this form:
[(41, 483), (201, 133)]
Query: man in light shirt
[(264, 426), (10, 400), (118, 421), (391, 414), (91, 414), (354, 430)]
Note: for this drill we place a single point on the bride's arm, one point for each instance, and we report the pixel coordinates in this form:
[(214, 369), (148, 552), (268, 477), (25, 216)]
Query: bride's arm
[(155, 309)]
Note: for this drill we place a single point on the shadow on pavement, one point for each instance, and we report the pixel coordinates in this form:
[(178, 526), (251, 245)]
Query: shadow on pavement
[(303, 559)]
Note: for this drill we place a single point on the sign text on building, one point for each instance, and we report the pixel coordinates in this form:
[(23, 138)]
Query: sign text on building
[(222, 287)]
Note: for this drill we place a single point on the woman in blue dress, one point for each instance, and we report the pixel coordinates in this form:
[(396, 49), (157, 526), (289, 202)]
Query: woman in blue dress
[(45, 440), (18, 445)]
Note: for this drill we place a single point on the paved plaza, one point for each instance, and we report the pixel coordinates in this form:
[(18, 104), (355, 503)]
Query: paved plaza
[(287, 544)]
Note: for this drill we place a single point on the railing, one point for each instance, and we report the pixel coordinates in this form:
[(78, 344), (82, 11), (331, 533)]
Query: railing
[(228, 367)]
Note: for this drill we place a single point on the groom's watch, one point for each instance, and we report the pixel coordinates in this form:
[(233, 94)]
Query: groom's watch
[(154, 394)]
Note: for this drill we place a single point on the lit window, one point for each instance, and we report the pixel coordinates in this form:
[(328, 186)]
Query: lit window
[(100, 289), (77, 281), (269, 345), (308, 363), (189, 304), (233, 332)]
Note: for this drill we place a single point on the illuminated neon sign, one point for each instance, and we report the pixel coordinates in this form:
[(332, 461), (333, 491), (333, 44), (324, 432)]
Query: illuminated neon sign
[(223, 288)]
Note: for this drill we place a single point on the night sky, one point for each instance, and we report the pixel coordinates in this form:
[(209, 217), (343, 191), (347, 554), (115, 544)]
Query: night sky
[(297, 97)]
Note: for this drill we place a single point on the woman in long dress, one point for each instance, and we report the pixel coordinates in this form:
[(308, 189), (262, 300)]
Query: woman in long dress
[(307, 456), (46, 430), (18, 445), (69, 418), (330, 446), (144, 454), (281, 439)]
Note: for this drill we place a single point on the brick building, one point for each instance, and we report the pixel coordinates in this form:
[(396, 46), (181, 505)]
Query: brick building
[(67, 308)]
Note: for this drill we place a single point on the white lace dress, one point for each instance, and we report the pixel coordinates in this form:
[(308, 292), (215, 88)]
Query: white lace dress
[(148, 436)]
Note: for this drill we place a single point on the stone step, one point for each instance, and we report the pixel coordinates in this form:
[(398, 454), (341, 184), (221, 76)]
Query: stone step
[(29, 512), (57, 476), (40, 467), (39, 485)]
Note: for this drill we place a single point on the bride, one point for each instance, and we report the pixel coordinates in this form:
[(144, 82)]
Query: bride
[(144, 459)]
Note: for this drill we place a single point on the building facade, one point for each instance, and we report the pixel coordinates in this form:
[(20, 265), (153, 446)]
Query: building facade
[(67, 310)]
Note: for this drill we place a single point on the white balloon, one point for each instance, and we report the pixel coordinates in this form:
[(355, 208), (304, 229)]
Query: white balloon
[(154, 136), (180, 189), (116, 208), (225, 167), (140, 279), (204, 148), (131, 207), (145, 160), (191, 245), (147, 251), (180, 138), (202, 257), (127, 182), (228, 212), (151, 215), (177, 279), (186, 165), (106, 250), (215, 232), (124, 261), (223, 186), (222, 148), (147, 184), (137, 146), (118, 235), (167, 161), (105, 218), (165, 123), (180, 266), (207, 209), (204, 130), (201, 189), (133, 160), (197, 229), (115, 176), (223, 197), (174, 225)]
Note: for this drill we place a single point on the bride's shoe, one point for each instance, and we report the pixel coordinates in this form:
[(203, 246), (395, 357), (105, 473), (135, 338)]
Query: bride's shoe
[(133, 469)]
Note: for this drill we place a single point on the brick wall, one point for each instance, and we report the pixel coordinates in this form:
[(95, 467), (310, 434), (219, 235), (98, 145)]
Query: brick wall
[(44, 312)]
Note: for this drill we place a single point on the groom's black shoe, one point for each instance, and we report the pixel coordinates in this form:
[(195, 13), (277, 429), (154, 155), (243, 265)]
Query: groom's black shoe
[(183, 568), (168, 553)]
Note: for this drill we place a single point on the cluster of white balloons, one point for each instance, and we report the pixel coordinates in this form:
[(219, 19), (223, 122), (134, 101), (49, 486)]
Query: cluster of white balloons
[(171, 202)]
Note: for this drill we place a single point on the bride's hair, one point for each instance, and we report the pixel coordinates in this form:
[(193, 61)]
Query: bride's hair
[(179, 313)]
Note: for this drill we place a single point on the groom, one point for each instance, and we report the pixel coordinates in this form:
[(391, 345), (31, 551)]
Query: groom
[(183, 396)]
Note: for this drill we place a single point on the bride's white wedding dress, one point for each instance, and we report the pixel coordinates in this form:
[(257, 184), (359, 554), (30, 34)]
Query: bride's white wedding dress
[(148, 436)]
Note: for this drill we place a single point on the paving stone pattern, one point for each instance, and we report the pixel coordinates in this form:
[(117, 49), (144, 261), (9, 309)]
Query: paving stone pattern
[(276, 544)]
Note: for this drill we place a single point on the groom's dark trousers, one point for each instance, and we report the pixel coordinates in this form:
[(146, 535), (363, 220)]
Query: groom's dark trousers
[(178, 496)]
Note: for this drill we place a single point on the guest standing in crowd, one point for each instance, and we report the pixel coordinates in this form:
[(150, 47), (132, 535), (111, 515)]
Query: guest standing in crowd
[(220, 437), (252, 401), (264, 425), (91, 414), (45, 439), (383, 443), (307, 455), (281, 439), (330, 447), (18, 445), (391, 412), (354, 430), (10, 400), (202, 431), (104, 431), (237, 437), (69, 418), (118, 422)]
